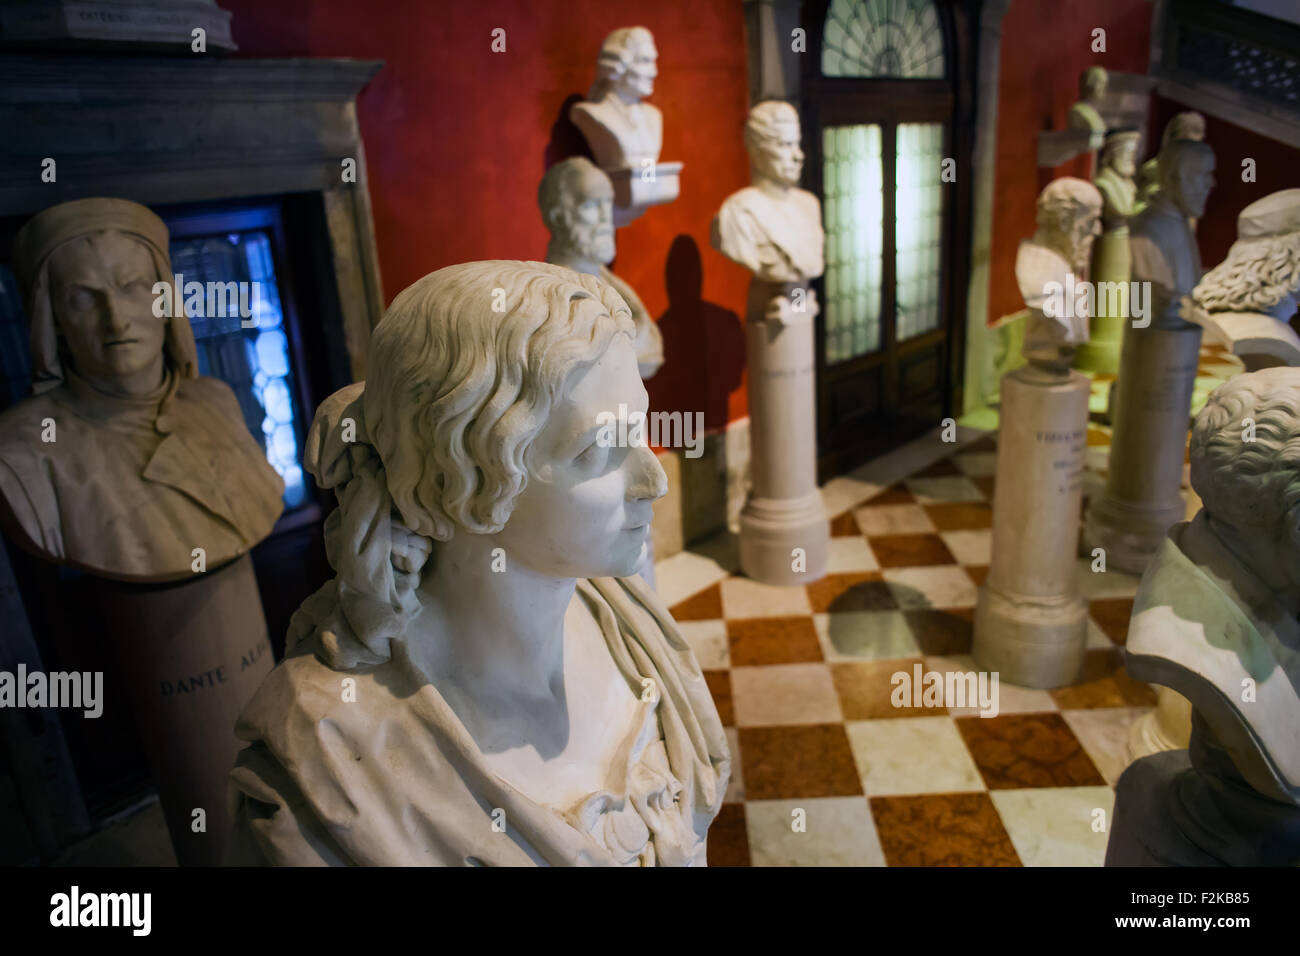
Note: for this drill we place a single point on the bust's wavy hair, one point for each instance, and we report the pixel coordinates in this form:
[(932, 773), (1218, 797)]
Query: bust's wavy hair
[(1256, 275), (457, 392), (1251, 484), (615, 59)]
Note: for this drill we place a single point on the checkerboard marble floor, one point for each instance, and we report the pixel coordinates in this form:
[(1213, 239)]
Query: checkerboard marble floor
[(802, 680)]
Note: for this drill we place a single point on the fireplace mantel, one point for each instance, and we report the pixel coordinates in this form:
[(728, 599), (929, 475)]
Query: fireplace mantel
[(179, 129)]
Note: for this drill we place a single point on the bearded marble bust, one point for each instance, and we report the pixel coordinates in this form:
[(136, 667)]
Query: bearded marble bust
[(576, 201), (772, 227), (518, 698), (622, 131), (1069, 221), (125, 459), (1247, 300)]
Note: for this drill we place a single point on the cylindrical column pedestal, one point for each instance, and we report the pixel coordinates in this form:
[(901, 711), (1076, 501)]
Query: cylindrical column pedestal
[(783, 526), (1111, 271), (1168, 727), (1142, 499), (1031, 621), (192, 654)]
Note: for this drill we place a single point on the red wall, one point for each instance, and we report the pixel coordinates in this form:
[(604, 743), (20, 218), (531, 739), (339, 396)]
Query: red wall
[(457, 138), (1046, 44), (1277, 166)]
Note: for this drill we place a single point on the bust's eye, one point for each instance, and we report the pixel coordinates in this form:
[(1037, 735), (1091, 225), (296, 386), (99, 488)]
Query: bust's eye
[(81, 299), (136, 286), (593, 456)]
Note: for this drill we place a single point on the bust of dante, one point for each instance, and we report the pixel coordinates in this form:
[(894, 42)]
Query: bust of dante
[(622, 131), (520, 697), (577, 204), (1248, 299), (772, 227), (1069, 221), (1163, 247), (125, 459), (1217, 611)]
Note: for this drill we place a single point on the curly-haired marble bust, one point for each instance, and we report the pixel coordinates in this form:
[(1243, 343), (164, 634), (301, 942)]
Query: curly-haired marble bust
[(517, 698)]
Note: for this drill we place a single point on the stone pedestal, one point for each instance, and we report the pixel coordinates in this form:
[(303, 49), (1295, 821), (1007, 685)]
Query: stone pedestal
[(785, 510), (1031, 621), (1168, 727), (192, 654), (636, 190), (1111, 262), (1151, 416)]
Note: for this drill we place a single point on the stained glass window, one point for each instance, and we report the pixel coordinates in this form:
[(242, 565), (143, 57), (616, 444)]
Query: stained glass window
[(852, 181), (918, 212), (883, 38), (254, 361)]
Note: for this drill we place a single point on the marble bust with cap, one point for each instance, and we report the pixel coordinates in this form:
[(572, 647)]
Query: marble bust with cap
[(494, 686), (623, 131), (1246, 302), (125, 459)]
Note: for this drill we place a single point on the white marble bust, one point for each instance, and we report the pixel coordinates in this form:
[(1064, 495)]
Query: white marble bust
[(622, 131), (1161, 240), (772, 227), (576, 202), (518, 698), (1247, 300), (1069, 221), (1217, 612), (125, 459)]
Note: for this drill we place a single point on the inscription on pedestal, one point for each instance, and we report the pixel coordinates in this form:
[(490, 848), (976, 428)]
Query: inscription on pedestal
[(1067, 471)]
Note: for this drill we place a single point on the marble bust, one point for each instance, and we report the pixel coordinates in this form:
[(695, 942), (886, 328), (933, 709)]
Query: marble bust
[(1246, 301), (772, 227), (1049, 264), (1161, 241), (1188, 125), (576, 201), (622, 130), (1217, 619), (1085, 113), (125, 459), (484, 683), (1115, 179)]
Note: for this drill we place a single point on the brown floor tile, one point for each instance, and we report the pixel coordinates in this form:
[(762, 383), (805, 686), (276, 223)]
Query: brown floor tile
[(941, 633), (705, 606), (943, 466), (720, 687), (1104, 377), (1098, 438), (728, 837), (865, 689), (960, 515), (978, 573), (783, 763), (985, 483), (1104, 683), (1015, 751), (858, 591), (910, 550), (845, 526), (1112, 617), (893, 495), (942, 829), (773, 640)]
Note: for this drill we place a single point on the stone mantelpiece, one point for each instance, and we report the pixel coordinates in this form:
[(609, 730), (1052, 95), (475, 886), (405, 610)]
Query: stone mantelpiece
[(163, 130)]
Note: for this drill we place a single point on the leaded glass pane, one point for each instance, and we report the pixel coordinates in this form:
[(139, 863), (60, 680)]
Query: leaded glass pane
[(852, 181), (883, 38), (918, 211)]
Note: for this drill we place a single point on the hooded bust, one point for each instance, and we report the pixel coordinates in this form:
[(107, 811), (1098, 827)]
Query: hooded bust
[(124, 460)]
